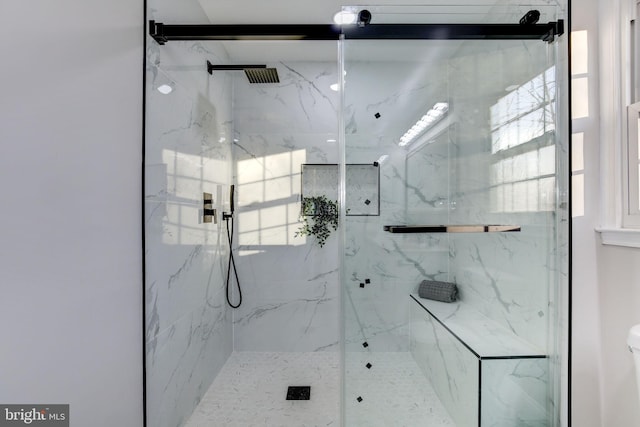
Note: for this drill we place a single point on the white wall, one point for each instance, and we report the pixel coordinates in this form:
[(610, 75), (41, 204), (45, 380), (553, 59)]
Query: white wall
[(619, 293), (70, 259), (606, 279), (586, 359)]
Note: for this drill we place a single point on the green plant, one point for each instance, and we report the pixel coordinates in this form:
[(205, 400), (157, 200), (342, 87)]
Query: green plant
[(318, 216)]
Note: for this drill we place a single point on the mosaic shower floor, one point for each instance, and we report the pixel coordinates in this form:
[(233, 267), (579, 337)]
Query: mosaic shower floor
[(251, 390)]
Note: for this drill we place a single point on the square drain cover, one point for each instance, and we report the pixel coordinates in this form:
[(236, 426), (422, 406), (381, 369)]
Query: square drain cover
[(299, 393)]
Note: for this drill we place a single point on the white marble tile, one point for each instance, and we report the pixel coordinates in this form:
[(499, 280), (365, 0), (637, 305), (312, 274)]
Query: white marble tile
[(394, 392), (183, 361), (251, 390), (188, 152), (514, 392), (450, 367), (290, 284), (484, 335)]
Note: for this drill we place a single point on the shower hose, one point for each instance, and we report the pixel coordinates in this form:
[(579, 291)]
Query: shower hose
[(232, 263)]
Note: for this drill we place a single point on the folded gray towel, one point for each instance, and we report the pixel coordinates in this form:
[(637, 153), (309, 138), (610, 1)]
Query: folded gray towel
[(438, 291)]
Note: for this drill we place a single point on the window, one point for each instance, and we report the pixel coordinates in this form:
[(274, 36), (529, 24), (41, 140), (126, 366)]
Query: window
[(631, 98), (631, 216), (522, 144), (618, 118)]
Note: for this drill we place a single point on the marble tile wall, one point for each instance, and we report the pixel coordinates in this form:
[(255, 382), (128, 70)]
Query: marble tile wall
[(452, 368), (382, 100), (445, 180), (290, 285), (514, 392), (187, 152), (497, 391), (447, 177)]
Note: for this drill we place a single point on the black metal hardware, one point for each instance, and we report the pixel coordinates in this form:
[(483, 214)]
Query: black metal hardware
[(208, 213), (163, 33), (235, 67), (530, 18), (452, 31), (299, 392), (364, 17), (451, 228)]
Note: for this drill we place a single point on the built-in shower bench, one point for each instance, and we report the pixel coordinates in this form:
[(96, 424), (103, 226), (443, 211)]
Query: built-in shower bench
[(483, 373), (481, 335)]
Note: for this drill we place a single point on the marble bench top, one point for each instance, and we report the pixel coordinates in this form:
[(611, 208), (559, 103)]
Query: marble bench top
[(480, 334)]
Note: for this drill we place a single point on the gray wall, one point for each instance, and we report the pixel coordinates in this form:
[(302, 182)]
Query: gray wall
[(70, 259)]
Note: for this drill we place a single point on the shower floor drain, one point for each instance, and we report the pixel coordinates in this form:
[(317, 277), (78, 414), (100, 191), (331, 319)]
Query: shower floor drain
[(299, 393)]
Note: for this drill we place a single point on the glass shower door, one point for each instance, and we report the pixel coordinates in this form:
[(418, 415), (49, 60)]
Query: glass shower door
[(464, 134)]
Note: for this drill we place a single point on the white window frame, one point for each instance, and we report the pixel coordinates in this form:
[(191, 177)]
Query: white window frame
[(630, 187), (620, 90)]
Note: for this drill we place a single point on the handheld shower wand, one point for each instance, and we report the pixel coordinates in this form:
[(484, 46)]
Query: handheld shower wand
[(228, 216)]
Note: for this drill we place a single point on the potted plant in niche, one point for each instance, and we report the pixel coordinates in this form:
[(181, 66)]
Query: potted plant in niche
[(319, 217)]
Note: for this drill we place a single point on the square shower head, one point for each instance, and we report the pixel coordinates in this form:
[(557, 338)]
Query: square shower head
[(262, 75)]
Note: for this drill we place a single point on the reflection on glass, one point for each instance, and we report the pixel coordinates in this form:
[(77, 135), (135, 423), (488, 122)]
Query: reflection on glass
[(268, 192), (522, 123)]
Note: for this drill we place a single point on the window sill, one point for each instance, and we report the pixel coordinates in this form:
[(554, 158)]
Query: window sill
[(626, 237)]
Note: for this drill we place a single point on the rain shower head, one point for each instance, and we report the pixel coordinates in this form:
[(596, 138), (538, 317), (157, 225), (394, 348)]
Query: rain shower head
[(255, 73), (262, 75)]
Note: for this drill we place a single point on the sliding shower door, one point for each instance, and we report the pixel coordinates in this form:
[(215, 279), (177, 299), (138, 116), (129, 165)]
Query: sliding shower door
[(468, 138)]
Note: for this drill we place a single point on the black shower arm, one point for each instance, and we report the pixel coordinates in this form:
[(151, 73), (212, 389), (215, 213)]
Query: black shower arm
[(163, 33)]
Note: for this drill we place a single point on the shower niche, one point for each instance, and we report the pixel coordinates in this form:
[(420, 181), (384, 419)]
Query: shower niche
[(362, 186)]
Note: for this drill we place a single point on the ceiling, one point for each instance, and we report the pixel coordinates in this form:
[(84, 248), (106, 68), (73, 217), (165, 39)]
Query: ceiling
[(322, 11)]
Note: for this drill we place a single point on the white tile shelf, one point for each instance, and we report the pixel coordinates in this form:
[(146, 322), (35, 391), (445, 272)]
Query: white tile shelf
[(484, 337), (473, 228)]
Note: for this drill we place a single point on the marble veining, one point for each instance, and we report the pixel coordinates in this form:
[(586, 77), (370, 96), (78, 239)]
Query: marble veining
[(188, 324), (290, 285), (453, 177)]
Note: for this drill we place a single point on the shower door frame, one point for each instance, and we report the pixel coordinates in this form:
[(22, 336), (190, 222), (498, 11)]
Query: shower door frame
[(163, 33)]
